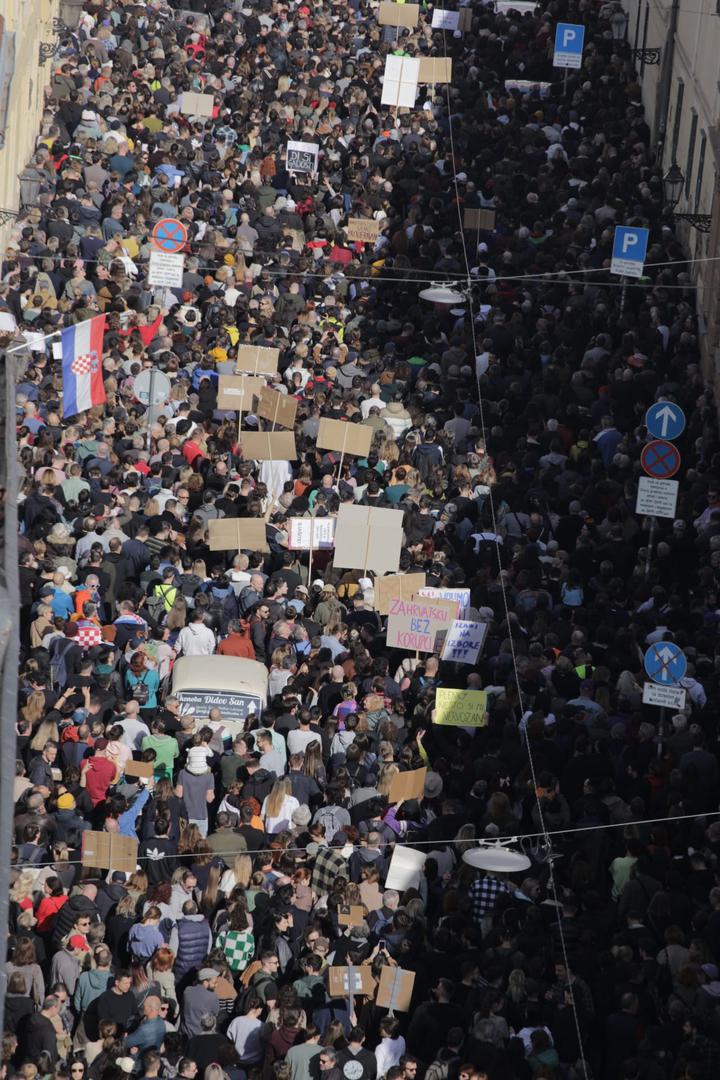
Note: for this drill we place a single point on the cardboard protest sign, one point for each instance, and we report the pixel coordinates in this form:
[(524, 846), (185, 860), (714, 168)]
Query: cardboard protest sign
[(464, 641), (479, 219), (140, 769), (344, 437), (459, 596), (130, 246), (392, 14), (400, 81), (237, 534), (311, 533), (435, 69), (460, 708), (352, 916), (257, 359), (466, 18), (276, 407), (268, 445), (395, 989), (392, 586), (346, 981), (238, 391), (414, 624), (302, 157), (407, 785), (523, 7), (197, 104), (368, 538), (405, 870), (445, 20), (365, 230), (109, 851)]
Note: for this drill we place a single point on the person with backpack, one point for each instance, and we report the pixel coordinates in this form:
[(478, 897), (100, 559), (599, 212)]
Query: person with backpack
[(142, 683), (163, 594)]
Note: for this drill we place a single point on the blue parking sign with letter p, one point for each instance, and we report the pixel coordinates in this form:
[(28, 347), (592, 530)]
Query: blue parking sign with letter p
[(629, 250), (569, 41)]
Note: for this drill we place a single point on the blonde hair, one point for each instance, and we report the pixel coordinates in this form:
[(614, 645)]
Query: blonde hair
[(47, 730), (242, 870), (385, 778), (280, 790)]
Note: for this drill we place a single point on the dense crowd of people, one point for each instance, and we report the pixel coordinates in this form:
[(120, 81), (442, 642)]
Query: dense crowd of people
[(506, 430)]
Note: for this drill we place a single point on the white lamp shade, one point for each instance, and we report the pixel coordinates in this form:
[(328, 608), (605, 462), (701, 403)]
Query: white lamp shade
[(493, 857), (442, 294)]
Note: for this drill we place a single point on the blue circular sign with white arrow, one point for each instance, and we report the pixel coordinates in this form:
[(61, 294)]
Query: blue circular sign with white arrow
[(665, 420), (665, 663)]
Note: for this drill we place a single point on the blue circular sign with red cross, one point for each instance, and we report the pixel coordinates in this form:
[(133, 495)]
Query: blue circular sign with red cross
[(660, 459), (169, 235)]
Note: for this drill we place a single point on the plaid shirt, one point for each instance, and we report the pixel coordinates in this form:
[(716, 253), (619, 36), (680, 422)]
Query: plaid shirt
[(483, 894), (329, 864)]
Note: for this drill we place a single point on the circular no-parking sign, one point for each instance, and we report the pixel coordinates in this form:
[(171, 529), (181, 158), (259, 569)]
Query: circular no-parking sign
[(169, 235), (660, 459)]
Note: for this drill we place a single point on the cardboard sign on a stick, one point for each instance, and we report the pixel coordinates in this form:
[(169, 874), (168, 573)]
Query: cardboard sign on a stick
[(197, 104), (407, 785), (391, 14), (435, 69), (268, 445), (276, 407), (346, 981), (364, 230), (395, 989), (140, 769), (257, 359), (445, 20), (368, 538), (466, 19), (238, 391), (352, 916), (311, 533), (109, 851), (237, 534), (464, 641), (344, 437), (396, 586), (302, 157), (479, 219), (413, 625), (400, 81)]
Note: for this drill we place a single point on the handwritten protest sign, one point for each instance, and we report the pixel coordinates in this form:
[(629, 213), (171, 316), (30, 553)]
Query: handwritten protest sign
[(311, 533), (464, 641), (445, 20), (460, 596), (364, 230), (414, 624), (460, 708)]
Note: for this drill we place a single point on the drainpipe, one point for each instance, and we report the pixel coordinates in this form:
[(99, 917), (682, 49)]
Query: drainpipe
[(665, 87)]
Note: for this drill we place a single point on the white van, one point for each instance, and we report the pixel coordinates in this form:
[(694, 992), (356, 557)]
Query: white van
[(235, 686)]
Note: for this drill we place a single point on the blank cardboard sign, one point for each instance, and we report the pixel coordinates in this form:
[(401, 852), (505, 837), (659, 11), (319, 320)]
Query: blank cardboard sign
[(238, 392), (344, 437), (435, 69), (257, 359), (237, 534), (368, 538), (197, 104), (391, 14), (407, 785), (109, 851), (276, 407), (396, 586), (346, 981), (395, 989), (268, 445), (479, 219), (140, 769)]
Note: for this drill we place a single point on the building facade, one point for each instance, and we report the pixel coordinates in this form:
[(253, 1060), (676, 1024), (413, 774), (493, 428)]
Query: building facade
[(25, 25), (679, 47)]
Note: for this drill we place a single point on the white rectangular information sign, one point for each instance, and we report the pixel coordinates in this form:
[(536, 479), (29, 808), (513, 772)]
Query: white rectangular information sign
[(656, 498), (667, 697)]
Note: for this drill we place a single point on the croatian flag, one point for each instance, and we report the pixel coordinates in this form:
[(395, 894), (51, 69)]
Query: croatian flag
[(82, 347)]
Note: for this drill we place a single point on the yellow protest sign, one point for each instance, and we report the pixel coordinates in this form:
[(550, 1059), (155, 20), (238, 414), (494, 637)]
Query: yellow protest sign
[(460, 708)]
